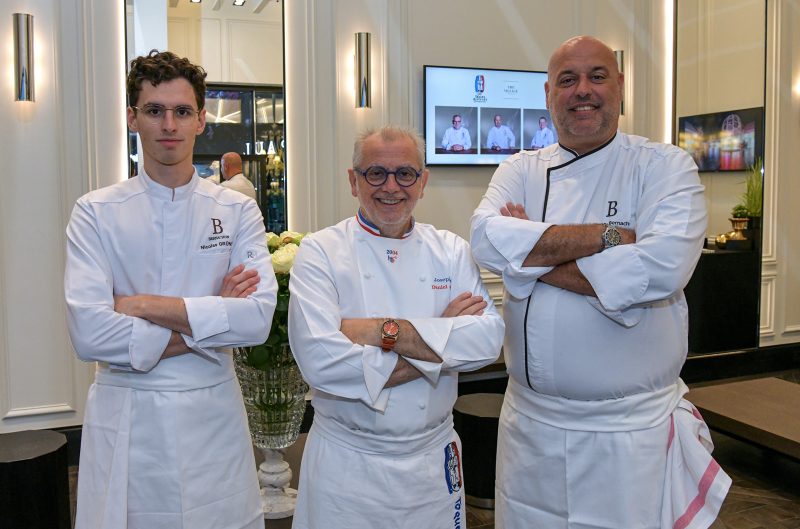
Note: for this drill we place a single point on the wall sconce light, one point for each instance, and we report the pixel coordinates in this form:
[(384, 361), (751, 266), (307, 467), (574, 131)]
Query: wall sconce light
[(620, 56), (362, 69), (23, 57)]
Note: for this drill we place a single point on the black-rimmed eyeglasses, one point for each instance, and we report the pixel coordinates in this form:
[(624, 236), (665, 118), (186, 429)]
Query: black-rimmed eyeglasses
[(377, 175), (156, 113)]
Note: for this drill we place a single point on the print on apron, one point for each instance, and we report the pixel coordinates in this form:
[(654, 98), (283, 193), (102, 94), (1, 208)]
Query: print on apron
[(452, 467)]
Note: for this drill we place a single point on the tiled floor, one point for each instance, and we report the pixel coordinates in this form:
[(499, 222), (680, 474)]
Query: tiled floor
[(765, 492)]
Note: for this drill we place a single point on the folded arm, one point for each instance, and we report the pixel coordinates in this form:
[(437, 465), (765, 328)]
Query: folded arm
[(560, 245), (409, 345)]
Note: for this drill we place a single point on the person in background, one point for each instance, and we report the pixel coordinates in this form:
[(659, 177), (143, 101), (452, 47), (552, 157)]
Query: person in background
[(384, 313), (595, 240), (164, 273), (456, 138), (543, 136), (231, 170), (500, 136)]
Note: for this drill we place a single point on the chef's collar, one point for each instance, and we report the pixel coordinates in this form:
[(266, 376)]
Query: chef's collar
[(372, 229), (167, 193), (589, 153)]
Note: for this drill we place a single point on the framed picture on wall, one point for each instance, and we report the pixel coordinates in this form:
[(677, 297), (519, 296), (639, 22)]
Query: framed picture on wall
[(723, 141)]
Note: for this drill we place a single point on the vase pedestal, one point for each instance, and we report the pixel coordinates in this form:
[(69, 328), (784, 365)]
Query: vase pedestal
[(277, 498)]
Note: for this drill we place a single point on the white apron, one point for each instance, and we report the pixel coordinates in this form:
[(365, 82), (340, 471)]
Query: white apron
[(653, 472), (362, 488), (150, 469)]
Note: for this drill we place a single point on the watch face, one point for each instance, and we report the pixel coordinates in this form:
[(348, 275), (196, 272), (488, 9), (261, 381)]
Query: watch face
[(390, 328), (611, 237)]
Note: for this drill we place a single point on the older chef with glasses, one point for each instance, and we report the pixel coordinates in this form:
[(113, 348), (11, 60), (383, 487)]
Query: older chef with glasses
[(384, 314)]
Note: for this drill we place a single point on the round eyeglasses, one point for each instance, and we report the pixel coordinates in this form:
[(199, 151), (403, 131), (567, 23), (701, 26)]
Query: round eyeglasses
[(156, 113), (376, 175)]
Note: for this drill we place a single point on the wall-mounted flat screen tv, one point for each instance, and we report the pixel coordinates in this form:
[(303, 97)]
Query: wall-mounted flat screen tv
[(480, 116), (723, 141)]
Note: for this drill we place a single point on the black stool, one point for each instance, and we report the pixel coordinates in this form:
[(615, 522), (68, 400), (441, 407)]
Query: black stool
[(34, 488), (476, 417)]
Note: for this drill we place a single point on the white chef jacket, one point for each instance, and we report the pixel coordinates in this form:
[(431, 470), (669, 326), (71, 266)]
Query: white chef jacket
[(139, 237), (542, 138), (502, 137), (453, 136), (240, 183), (348, 271), (651, 188), (631, 340)]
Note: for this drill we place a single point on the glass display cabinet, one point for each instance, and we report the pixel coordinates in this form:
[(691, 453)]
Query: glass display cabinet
[(248, 119)]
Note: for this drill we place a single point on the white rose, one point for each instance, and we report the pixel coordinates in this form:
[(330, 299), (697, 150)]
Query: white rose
[(273, 241), (283, 258), (291, 236)]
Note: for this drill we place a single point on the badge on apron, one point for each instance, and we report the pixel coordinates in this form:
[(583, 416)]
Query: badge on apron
[(452, 468)]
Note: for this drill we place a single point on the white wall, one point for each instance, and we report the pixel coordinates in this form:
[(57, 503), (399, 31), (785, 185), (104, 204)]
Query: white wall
[(70, 140), (233, 44), (721, 44), (780, 287)]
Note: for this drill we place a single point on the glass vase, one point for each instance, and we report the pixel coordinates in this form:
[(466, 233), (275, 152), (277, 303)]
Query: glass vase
[(274, 399)]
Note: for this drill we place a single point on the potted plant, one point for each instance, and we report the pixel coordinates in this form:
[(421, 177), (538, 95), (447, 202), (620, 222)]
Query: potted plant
[(752, 200), (273, 388), (752, 197)]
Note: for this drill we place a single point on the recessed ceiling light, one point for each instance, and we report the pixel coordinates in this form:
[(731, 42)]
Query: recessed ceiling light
[(238, 3), (195, 1)]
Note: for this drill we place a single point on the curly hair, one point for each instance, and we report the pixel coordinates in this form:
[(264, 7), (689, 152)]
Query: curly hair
[(159, 66)]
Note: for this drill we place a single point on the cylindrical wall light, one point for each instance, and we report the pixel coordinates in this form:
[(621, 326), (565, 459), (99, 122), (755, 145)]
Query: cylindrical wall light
[(362, 69), (23, 57), (620, 56)]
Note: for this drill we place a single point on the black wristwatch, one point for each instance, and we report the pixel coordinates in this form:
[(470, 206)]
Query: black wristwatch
[(611, 236)]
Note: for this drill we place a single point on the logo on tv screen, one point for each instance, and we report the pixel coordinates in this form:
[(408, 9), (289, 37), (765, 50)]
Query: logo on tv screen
[(480, 86)]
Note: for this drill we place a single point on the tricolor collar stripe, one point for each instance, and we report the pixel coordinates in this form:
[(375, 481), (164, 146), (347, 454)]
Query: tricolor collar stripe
[(373, 229)]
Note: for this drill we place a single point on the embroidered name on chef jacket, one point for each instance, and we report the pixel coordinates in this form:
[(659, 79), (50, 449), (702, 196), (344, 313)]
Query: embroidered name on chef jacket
[(392, 255), (616, 214), (441, 283), (217, 238), (452, 467)]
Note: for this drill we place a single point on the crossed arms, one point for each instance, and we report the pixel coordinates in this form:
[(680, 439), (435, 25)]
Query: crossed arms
[(366, 331), (559, 247), (170, 312)]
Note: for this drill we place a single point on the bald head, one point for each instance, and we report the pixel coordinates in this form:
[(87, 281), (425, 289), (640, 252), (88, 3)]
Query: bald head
[(231, 165), (577, 46), (584, 93)]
